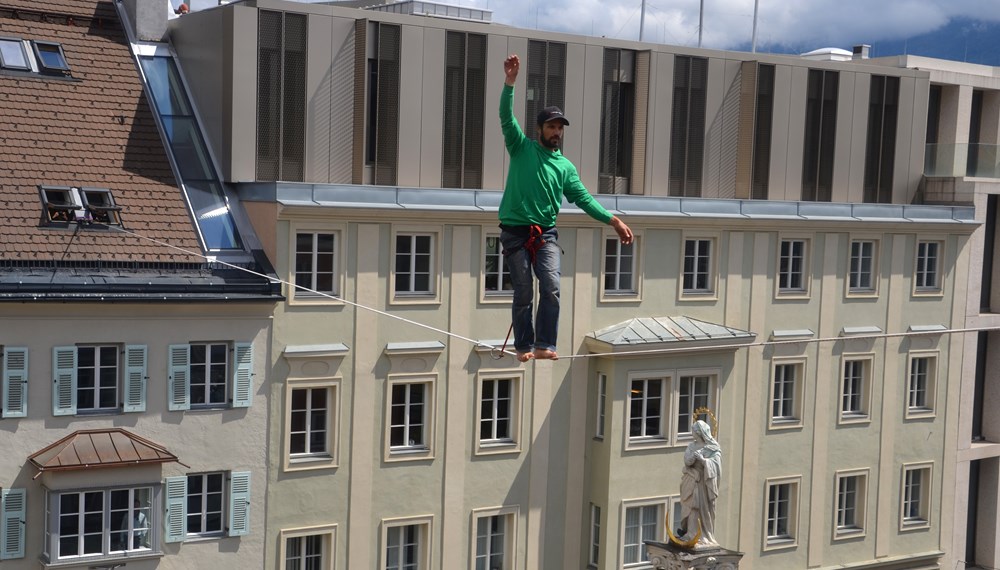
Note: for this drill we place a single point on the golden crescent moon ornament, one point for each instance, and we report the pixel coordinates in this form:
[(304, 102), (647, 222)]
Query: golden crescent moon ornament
[(682, 543)]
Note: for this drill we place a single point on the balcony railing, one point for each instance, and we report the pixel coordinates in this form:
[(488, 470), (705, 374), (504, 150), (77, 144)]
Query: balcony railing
[(972, 160)]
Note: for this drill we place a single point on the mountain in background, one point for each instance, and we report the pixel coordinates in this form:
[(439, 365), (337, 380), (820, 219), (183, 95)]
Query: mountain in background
[(962, 39)]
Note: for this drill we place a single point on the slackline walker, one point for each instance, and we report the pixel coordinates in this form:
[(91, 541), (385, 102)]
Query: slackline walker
[(495, 350)]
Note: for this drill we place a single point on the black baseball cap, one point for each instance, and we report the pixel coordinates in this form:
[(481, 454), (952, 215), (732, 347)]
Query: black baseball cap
[(551, 114)]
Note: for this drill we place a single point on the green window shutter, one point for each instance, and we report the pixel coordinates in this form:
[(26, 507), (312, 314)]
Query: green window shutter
[(135, 378), (15, 382), (64, 381), (176, 515), (12, 507), (239, 503), (243, 375), (179, 377)]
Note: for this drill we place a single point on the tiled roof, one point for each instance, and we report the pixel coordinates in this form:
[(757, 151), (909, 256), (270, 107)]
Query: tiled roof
[(87, 449), (95, 130)]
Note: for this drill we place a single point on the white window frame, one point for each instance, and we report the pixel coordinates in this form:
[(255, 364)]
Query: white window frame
[(602, 402), (863, 394), (295, 295), (662, 438), (662, 505), (228, 351), (510, 516), (678, 437), (434, 278), (328, 534), (712, 286), (630, 294), (223, 504), (798, 397), (785, 290), (153, 517), (930, 387), (310, 461), (790, 538), (923, 496), (501, 296), (119, 376), (424, 526), (937, 288), (511, 444), (415, 452), (594, 548), (841, 528), (852, 274)]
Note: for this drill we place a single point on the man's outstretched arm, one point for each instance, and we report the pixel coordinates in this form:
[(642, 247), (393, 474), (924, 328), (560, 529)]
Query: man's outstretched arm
[(624, 232)]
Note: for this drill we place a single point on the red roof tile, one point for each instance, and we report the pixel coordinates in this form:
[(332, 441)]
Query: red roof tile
[(96, 130)]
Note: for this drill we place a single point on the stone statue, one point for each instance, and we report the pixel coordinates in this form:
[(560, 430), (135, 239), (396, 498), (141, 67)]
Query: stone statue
[(700, 486)]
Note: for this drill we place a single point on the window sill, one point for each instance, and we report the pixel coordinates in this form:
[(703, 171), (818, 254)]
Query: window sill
[(301, 300), (698, 296), (781, 424), (915, 524), (855, 419), (416, 299), (308, 463), (88, 561), (928, 293), (847, 533), (409, 454), (498, 448), (862, 294), (920, 414), (792, 295), (780, 543), (646, 443), (620, 297)]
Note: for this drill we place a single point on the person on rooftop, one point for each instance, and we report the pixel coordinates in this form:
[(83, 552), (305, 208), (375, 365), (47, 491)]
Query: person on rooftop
[(538, 179)]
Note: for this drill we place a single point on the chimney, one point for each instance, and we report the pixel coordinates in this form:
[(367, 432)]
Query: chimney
[(148, 18), (861, 51)]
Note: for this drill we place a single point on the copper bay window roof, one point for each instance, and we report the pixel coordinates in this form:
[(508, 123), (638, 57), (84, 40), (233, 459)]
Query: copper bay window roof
[(90, 449)]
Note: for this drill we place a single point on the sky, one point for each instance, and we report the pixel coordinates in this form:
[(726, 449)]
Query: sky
[(797, 25), (801, 24)]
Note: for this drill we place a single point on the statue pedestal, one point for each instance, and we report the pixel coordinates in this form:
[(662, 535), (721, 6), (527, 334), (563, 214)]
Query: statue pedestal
[(665, 556)]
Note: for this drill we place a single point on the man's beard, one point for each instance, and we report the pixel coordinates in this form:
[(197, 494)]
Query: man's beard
[(550, 143)]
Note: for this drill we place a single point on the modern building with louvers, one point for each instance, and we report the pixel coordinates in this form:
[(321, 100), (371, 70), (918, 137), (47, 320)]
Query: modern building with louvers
[(802, 269)]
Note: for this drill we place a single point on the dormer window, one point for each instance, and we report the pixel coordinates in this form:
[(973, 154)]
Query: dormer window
[(51, 58), (65, 205), (13, 55)]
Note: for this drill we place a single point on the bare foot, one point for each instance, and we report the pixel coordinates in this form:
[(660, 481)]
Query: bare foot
[(524, 356), (545, 354)]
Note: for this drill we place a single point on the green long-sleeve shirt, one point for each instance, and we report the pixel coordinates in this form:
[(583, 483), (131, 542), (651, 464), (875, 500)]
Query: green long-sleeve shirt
[(538, 177)]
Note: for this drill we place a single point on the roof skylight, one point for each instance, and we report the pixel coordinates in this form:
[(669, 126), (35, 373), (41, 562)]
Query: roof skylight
[(51, 57), (12, 54)]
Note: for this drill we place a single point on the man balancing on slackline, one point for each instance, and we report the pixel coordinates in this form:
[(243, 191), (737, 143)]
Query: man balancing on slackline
[(538, 179)]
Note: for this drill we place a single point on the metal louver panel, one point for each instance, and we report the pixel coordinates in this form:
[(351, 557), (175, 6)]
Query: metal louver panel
[(475, 111), (820, 135), (387, 104), (880, 150), (763, 119), (546, 81), (454, 111), (687, 130), (293, 119), (269, 27)]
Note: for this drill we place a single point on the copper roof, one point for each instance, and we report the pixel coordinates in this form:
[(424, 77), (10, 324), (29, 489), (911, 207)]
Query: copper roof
[(87, 449), (95, 130)]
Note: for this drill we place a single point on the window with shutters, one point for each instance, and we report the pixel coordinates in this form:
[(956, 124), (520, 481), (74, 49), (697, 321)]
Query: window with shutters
[(105, 378), (464, 110), (545, 82), (205, 375), (687, 127), (311, 419), (281, 95), (202, 505), (91, 525), (617, 121), (880, 148), (14, 375), (820, 135), (382, 118), (498, 415)]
